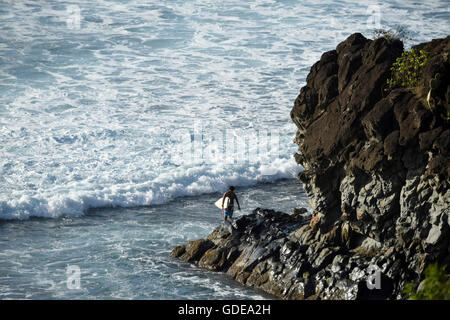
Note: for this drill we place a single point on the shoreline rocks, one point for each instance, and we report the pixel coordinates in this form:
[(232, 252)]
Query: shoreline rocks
[(378, 159), (282, 255), (377, 173)]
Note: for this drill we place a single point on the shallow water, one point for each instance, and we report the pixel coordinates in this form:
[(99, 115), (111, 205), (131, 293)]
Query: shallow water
[(124, 253)]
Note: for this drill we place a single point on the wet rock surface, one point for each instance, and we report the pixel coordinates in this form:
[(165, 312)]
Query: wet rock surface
[(377, 167), (282, 255)]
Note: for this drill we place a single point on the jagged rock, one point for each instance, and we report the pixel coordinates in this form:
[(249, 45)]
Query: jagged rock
[(379, 161), (325, 257), (217, 258), (299, 213), (377, 168), (195, 249), (316, 220), (178, 251), (285, 266)]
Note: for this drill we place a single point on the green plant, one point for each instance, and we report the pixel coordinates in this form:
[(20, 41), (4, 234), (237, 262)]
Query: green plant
[(445, 56), (436, 285), (407, 69), (398, 33), (446, 116)]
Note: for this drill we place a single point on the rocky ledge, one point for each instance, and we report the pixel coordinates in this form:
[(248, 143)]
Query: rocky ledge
[(377, 169)]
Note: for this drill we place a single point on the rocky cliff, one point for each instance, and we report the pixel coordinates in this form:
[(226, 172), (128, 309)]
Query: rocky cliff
[(376, 172)]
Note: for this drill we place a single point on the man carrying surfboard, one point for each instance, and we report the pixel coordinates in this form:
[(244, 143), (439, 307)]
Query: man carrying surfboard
[(229, 206)]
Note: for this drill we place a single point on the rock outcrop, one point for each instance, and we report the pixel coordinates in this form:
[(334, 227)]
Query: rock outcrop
[(380, 161), (377, 167)]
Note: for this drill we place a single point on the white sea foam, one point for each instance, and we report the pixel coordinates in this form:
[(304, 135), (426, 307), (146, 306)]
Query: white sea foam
[(89, 103), (74, 200)]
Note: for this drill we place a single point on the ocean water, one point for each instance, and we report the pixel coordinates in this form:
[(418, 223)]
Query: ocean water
[(124, 253), (121, 122)]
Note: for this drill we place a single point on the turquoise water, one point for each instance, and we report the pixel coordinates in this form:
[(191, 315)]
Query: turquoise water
[(118, 122)]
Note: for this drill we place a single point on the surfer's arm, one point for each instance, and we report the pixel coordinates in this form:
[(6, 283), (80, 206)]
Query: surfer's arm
[(237, 201)]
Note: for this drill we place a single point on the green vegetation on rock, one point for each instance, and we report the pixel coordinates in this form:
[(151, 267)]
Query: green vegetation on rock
[(407, 69), (436, 285)]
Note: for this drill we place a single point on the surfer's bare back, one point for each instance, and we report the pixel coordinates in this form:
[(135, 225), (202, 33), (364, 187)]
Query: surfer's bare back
[(228, 211)]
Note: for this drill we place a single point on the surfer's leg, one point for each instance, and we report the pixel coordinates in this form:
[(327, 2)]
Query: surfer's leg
[(230, 215)]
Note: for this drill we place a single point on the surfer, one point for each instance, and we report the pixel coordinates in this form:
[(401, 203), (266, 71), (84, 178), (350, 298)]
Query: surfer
[(228, 210)]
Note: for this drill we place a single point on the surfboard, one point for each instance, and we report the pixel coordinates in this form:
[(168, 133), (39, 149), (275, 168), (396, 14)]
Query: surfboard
[(218, 203)]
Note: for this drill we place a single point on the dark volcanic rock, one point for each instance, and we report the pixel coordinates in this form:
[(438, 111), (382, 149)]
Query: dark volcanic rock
[(380, 159), (377, 175), (282, 255)]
